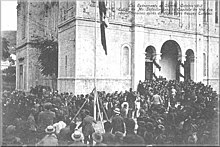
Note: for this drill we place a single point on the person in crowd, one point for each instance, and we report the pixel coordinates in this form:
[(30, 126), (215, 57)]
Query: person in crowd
[(87, 127), (32, 127), (45, 118), (156, 101), (117, 122), (118, 140), (131, 102), (97, 137), (141, 128), (137, 105), (124, 109), (50, 139), (195, 104), (131, 138), (108, 137), (77, 138), (11, 139), (58, 126)]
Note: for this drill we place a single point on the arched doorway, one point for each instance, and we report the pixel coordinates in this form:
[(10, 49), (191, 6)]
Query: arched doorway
[(189, 65), (171, 54), (149, 56)]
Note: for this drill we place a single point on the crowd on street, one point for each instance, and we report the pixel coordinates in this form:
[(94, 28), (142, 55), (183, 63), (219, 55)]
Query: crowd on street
[(165, 113)]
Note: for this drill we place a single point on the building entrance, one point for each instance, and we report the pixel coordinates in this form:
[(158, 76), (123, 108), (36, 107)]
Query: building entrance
[(170, 67)]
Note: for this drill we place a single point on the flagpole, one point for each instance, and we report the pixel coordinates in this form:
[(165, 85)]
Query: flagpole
[(95, 94)]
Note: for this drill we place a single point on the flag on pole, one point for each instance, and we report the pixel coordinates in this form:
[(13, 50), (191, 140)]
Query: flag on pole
[(103, 25)]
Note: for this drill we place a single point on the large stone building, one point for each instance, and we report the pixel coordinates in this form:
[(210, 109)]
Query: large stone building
[(145, 40)]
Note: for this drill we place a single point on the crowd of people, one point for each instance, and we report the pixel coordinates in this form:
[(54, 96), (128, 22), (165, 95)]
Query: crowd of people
[(165, 112)]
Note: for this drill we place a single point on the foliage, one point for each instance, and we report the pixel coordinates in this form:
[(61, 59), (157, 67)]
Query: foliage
[(9, 74), (5, 48), (48, 55)]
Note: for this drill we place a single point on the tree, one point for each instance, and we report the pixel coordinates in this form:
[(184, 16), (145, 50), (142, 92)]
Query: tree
[(5, 48), (9, 78), (48, 56), (9, 74)]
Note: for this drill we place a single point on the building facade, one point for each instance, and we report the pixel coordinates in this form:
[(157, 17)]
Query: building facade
[(145, 40)]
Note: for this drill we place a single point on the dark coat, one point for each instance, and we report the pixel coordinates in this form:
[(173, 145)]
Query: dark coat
[(45, 119), (108, 138), (117, 124), (133, 139), (87, 128)]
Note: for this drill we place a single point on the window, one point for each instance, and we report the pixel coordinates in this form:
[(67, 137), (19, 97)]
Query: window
[(125, 61), (205, 6), (170, 7), (216, 11), (175, 7), (21, 70), (66, 65), (21, 76), (162, 6), (204, 64), (23, 32)]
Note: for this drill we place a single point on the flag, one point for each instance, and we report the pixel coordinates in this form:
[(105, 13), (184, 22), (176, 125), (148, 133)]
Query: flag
[(103, 25), (156, 64)]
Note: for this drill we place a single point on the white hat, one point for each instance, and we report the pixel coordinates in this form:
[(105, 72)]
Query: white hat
[(77, 136), (124, 103), (117, 110), (50, 129)]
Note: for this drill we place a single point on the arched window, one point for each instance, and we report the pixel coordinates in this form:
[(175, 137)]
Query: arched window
[(204, 65), (125, 65)]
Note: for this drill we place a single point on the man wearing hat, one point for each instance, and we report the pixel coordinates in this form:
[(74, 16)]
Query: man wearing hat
[(87, 127), (50, 139), (46, 118), (77, 137), (117, 122), (10, 138)]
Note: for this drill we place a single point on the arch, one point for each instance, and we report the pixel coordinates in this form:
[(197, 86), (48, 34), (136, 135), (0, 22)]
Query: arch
[(189, 65), (150, 53), (189, 53), (174, 44), (171, 54)]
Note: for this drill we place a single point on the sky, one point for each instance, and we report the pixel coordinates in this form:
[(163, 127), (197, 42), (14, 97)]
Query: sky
[(8, 15)]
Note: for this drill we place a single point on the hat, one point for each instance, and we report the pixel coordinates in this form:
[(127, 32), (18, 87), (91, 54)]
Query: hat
[(159, 120), (10, 129), (117, 110), (97, 137), (50, 129), (77, 136), (161, 127), (124, 103)]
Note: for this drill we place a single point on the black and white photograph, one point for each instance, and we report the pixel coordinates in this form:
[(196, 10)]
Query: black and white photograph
[(109, 73)]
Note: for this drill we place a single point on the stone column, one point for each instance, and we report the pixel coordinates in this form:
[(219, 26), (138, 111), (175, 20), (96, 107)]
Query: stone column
[(157, 59), (183, 59)]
